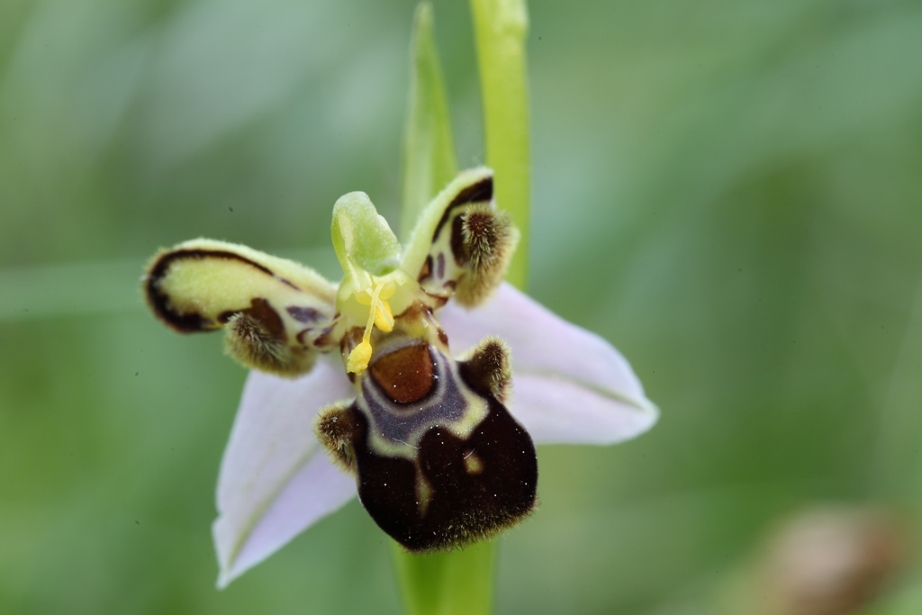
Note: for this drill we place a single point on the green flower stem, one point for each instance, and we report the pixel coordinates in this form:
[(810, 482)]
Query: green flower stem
[(500, 28), (454, 583), (461, 582)]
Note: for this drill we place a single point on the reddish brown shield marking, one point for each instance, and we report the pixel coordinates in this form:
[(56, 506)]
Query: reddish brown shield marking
[(405, 375)]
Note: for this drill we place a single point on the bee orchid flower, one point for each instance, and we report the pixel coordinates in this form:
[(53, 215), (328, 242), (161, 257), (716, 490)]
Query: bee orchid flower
[(446, 378)]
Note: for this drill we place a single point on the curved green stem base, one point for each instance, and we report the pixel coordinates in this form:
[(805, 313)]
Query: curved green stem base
[(454, 583)]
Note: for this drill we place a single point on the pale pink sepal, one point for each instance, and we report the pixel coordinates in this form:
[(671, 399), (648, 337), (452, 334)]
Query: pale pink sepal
[(569, 386), (275, 478)]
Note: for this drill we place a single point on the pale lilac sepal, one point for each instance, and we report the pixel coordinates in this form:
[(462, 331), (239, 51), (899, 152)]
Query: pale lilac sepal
[(569, 386), (275, 478)]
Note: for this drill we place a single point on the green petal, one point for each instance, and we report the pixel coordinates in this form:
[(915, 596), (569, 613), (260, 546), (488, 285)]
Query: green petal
[(362, 238)]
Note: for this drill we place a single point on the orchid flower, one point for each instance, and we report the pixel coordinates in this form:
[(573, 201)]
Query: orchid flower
[(438, 444)]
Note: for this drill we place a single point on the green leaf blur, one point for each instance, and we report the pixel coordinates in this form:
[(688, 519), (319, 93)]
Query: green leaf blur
[(429, 159)]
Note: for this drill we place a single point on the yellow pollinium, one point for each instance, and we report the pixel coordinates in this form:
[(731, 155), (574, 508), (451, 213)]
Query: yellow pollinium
[(358, 358), (379, 315)]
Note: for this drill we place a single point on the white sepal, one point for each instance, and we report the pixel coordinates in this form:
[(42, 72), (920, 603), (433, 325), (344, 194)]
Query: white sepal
[(275, 478)]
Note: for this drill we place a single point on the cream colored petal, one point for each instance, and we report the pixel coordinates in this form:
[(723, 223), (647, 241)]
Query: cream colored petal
[(471, 186), (275, 313)]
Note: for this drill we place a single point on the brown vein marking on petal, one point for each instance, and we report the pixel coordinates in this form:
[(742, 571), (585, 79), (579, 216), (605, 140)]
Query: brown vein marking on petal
[(325, 338), (480, 192), (415, 311), (159, 301), (350, 340), (437, 300), (458, 248), (440, 266), (426, 271), (304, 314), (406, 374), (261, 311), (257, 338)]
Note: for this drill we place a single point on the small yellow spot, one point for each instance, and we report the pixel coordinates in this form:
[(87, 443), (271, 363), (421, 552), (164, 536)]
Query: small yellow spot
[(473, 464), (423, 494)]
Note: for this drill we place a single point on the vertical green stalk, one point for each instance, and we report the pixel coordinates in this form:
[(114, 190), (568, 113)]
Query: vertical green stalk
[(454, 583), (500, 29), (461, 582)]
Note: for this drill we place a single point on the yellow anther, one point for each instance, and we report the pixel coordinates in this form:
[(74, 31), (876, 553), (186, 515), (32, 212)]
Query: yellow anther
[(384, 318), (358, 358)]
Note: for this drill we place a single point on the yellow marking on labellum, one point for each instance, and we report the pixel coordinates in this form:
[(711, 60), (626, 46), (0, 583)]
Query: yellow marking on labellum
[(423, 493), (472, 463)]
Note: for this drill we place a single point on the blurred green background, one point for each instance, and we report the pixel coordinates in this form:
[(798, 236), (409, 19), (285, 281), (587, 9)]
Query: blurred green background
[(729, 191)]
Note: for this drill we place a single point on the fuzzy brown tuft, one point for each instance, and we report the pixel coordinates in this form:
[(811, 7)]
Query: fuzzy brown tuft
[(483, 241), (335, 427), (488, 369), (259, 345)]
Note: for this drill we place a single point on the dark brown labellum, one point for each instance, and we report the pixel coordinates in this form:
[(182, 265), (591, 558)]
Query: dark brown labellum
[(457, 490), (440, 462)]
